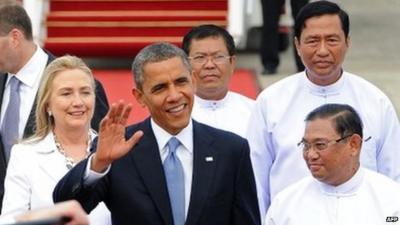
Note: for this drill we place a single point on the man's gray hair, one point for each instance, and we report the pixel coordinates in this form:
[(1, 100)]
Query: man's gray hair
[(156, 53)]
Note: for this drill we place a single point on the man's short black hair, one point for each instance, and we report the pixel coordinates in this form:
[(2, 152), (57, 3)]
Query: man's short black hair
[(344, 118), (205, 31), (320, 8)]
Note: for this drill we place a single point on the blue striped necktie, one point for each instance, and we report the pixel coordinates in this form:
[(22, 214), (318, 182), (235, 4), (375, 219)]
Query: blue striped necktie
[(175, 182), (9, 127)]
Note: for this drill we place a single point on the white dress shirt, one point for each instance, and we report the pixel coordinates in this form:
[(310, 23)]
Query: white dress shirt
[(277, 125), (33, 171), (231, 113), (368, 198), (29, 76), (184, 153)]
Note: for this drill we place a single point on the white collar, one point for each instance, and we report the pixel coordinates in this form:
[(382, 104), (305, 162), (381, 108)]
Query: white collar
[(348, 188), (33, 66), (332, 89), (185, 136), (205, 103)]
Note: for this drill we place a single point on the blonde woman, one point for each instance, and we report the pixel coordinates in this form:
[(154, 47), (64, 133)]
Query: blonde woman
[(62, 138)]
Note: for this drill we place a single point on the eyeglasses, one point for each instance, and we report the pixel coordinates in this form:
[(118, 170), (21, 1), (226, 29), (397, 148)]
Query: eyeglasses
[(319, 145), (203, 59)]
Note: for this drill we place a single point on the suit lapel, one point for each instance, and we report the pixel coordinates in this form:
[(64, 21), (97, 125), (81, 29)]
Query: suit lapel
[(31, 122), (51, 165), (204, 160), (3, 79), (49, 160), (3, 163), (147, 158)]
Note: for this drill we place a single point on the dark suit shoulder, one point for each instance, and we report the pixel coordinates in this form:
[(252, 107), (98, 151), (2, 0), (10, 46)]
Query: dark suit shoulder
[(143, 125), (218, 133), (225, 143), (101, 105)]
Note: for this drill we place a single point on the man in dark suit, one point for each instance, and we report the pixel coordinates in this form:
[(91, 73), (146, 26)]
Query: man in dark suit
[(131, 170), (22, 58)]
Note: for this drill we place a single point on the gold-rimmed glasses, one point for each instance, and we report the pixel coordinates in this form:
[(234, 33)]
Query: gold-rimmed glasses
[(319, 145), (203, 59)]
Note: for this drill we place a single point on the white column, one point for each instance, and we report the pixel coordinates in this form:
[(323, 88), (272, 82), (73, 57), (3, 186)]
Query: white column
[(236, 19), (34, 8)]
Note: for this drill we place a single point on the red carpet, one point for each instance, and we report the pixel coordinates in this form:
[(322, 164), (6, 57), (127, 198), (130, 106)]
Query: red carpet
[(118, 85)]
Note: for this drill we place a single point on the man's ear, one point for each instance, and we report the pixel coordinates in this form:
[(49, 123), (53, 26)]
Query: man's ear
[(16, 37), (355, 144), (348, 42), (194, 81), (297, 45), (138, 94), (233, 61)]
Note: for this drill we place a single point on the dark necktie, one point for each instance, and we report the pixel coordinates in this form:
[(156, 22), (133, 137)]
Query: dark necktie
[(175, 182), (9, 127)]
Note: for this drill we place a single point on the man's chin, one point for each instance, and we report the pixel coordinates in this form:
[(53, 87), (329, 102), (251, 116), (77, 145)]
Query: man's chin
[(178, 126)]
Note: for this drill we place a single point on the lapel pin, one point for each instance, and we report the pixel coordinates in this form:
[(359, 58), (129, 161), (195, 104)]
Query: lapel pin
[(209, 159)]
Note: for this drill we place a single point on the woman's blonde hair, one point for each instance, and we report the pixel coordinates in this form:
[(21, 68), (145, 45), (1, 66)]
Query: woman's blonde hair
[(44, 121)]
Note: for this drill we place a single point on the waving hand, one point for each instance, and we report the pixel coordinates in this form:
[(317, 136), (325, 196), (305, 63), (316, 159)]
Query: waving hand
[(112, 144)]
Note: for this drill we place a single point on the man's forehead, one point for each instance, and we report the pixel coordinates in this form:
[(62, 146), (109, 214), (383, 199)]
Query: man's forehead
[(202, 45), (331, 20), (163, 70), (208, 38), (170, 62), (320, 126), (157, 60)]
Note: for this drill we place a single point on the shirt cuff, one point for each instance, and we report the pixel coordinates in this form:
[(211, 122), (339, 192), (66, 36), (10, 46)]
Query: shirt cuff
[(91, 176)]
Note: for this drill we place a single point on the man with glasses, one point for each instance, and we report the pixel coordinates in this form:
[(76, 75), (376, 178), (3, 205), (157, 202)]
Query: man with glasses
[(276, 124), (340, 191), (212, 54)]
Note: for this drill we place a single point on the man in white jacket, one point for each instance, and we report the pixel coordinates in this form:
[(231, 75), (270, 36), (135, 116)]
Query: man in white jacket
[(276, 124), (340, 191), (212, 54)]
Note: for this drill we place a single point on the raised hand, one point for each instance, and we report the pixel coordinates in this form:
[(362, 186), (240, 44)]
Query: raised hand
[(112, 144)]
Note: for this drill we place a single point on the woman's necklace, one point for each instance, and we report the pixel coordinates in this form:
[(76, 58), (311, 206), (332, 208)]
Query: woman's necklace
[(69, 162)]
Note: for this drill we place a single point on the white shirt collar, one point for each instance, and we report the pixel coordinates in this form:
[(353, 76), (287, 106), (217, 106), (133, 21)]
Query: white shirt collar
[(162, 136), (33, 66), (346, 189), (205, 103), (332, 89)]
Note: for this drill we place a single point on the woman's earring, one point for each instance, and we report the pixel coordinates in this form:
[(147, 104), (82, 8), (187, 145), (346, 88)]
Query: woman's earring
[(49, 113)]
